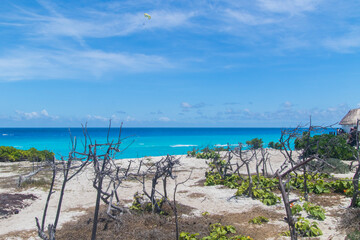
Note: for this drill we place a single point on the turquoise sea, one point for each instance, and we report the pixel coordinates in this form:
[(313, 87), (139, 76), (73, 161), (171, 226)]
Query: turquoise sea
[(145, 141)]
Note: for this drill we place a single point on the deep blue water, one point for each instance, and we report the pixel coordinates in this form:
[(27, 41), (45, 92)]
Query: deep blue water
[(146, 141)]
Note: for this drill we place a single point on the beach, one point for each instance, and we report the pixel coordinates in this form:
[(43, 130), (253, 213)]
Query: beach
[(79, 199)]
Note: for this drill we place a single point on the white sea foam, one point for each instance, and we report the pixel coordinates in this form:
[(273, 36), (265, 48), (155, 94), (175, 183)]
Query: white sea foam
[(183, 145), (5, 134), (225, 145)]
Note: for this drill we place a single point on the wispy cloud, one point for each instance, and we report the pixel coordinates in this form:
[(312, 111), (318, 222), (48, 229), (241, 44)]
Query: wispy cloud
[(288, 6), (43, 114), (185, 106), (164, 119), (25, 64), (247, 18), (95, 23), (346, 43), (287, 114)]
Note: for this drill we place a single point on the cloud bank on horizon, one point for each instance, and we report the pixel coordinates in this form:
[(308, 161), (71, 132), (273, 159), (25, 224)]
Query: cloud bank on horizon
[(194, 63)]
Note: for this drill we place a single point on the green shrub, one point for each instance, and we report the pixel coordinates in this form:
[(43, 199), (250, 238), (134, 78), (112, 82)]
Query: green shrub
[(275, 145), (11, 154), (259, 220), (325, 145), (255, 143)]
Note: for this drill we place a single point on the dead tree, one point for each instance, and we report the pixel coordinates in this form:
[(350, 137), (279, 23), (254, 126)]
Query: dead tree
[(246, 160), (223, 165), (108, 176), (161, 170), (105, 172), (70, 167), (285, 196), (295, 162)]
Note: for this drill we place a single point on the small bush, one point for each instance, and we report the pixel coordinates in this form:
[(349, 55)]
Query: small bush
[(326, 146), (259, 220), (275, 145), (255, 143)]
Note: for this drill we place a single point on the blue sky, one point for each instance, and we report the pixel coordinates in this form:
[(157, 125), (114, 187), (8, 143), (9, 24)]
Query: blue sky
[(229, 63)]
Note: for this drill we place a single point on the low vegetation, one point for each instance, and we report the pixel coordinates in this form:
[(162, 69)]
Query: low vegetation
[(206, 153), (259, 220), (11, 154), (217, 231)]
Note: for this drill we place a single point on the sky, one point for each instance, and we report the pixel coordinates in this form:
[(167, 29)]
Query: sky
[(229, 63)]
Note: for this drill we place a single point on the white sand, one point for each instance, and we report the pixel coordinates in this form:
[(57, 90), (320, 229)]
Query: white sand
[(80, 195)]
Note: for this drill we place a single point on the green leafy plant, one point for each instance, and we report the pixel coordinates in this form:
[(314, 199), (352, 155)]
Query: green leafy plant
[(306, 228), (264, 195), (259, 220), (205, 213), (296, 209), (217, 231), (188, 236), (314, 211), (262, 191)]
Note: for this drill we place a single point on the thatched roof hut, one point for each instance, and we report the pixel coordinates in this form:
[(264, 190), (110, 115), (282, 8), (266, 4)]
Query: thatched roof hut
[(350, 119)]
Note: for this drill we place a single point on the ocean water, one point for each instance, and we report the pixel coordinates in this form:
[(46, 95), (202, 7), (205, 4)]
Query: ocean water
[(140, 142)]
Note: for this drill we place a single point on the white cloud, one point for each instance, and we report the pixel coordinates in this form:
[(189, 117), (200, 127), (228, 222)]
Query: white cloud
[(248, 18), (288, 6), (25, 64), (185, 105), (287, 104), (346, 43), (97, 117), (164, 119), (43, 114), (129, 119), (286, 114), (97, 23)]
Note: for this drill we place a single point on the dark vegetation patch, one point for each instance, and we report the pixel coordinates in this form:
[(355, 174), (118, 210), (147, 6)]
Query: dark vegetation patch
[(333, 165), (41, 180), (350, 222), (155, 226), (196, 195), (326, 199), (42, 183), (200, 183), (24, 234), (13, 203)]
